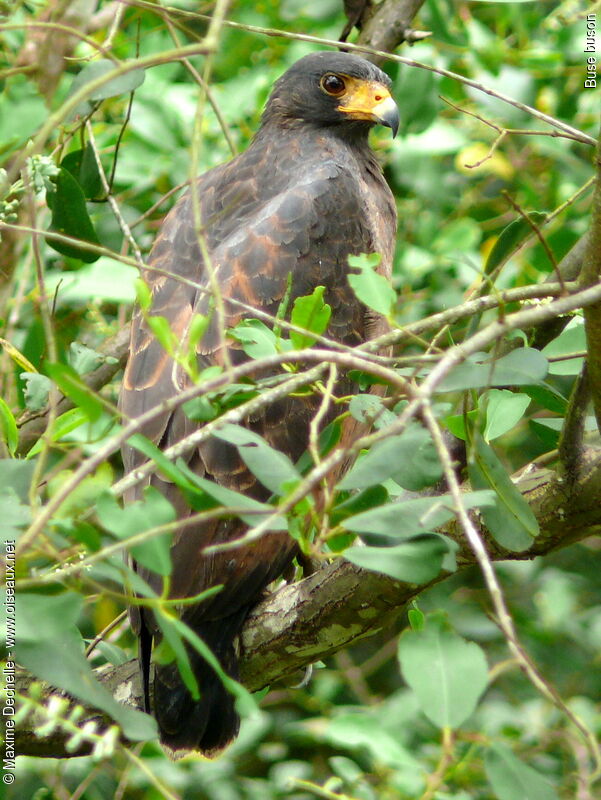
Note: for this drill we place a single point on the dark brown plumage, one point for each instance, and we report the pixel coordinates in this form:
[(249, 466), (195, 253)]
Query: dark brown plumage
[(306, 193)]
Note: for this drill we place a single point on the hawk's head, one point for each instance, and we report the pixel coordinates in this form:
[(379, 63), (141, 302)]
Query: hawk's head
[(333, 89)]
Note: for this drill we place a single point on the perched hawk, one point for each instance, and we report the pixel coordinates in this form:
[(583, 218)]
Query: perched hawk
[(306, 193)]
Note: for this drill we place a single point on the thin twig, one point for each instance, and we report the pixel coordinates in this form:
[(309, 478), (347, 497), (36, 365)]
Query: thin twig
[(538, 234), (125, 229)]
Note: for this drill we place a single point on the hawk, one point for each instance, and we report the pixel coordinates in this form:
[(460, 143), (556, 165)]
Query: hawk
[(282, 216)]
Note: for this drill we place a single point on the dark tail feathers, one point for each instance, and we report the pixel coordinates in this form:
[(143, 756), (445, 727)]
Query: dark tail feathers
[(211, 722)]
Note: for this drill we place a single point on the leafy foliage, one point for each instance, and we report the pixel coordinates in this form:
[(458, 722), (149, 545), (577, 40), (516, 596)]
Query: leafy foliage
[(488, 201)]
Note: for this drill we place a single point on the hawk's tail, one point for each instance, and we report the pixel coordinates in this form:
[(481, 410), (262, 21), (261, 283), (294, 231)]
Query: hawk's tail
[(210, 723)]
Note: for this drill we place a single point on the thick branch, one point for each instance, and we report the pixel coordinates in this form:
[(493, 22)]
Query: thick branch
[(340, 604), (386, 25)]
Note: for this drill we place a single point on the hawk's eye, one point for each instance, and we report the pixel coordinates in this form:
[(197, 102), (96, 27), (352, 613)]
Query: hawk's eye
[(333, 84)]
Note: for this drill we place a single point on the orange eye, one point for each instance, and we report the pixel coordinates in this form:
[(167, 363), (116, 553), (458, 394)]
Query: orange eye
[(333, 84)]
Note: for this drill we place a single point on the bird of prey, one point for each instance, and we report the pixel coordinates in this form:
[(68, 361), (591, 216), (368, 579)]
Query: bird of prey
[(282, 216)]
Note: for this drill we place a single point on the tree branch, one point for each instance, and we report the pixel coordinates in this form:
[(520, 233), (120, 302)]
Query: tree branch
[(341, 603), (387, 25)]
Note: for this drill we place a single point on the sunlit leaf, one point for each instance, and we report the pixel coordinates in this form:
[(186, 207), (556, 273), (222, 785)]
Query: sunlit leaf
[(504, 409), (257, 340), (369, 286), (312, 314)]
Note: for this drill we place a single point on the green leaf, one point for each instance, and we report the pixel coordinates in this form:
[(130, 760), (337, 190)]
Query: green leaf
[(171, 629), (143, 294), (70, 217), (447, 673), (257, 340), (161, 328), (200, 409), (15, 514), (422, 467), (196, 331), (84, 360), (416, 92), (371, 288), (116, 86), (548, 397), (272, 468), (372, 497), (570, 341), (228, 498), (417, 618), (369, 409), (8, 427), (409, 517), (166, 467), (17, 475), (456, 423), (410, 459), (547, 433), (365, 731), (107, 280), (77, 530), (83, 496), (523, 366), (36, 390), (82, 165), (143, 515), (72, 386), (504, 409), (311, 314), (510, 520), (418, 560), (510, 778), (513, 235), (62, 426), (50, 646)]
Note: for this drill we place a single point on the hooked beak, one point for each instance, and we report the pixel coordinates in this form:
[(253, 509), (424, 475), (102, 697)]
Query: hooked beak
[(370, 100), (387, 113)]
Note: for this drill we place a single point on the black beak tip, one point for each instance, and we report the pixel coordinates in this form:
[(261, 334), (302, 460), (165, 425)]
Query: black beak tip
[(391, 119)]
